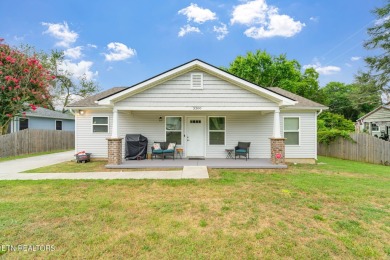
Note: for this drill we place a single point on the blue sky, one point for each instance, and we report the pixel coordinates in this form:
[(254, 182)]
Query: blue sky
[(120, 43)]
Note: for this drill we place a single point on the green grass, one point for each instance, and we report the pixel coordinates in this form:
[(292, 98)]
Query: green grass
[(92, 166), (9, 158), (340, 209)]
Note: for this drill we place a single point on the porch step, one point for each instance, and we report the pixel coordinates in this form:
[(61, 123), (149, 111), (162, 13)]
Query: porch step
[(195, 172)]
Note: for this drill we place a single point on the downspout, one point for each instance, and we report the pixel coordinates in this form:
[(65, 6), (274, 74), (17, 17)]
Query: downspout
[(316, 142), (75, 130)]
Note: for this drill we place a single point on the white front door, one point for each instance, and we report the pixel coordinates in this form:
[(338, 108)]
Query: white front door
[(195, 136)]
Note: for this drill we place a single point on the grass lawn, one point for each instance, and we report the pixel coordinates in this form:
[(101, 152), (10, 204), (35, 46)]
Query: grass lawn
[(340, 209)]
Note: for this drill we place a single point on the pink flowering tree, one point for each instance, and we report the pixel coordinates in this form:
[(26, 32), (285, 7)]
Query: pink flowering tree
[(24, 84)]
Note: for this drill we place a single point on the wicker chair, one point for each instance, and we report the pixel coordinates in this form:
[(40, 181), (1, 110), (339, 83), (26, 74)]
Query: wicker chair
[(242, 149)]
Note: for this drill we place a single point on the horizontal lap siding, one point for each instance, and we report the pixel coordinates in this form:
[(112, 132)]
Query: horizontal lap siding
[(308, 135), (240, 126), (178, 92), (380, 115), (95, 143)]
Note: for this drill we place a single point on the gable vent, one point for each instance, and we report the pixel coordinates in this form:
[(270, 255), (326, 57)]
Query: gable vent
[(197, 81)]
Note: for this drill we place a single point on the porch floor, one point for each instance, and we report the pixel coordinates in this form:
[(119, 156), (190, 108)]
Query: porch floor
[(209, 162)]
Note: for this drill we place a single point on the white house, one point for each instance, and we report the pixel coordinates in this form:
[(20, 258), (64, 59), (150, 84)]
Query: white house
[(376, 122), (205, 110)]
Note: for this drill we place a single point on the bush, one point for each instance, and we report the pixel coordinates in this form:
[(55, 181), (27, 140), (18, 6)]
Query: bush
[(329, 135)]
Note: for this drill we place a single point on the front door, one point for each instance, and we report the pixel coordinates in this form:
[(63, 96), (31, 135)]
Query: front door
[(195, 136)]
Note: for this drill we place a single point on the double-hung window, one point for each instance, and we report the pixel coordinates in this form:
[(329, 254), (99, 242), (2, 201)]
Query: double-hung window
[(173, 129), (291, 130), (217, 130), (100, 124)]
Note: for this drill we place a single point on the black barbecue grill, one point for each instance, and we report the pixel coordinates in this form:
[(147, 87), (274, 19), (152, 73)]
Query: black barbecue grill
[(136, 147)]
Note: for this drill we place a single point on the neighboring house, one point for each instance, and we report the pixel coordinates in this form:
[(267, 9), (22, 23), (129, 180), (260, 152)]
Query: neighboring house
[(202, 108), (43, 118), (377, 122)]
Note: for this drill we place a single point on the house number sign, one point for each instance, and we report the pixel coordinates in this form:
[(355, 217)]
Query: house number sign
[(197, 108)]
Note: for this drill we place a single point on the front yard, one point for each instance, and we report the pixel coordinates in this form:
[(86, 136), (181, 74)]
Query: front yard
[(340, 209)]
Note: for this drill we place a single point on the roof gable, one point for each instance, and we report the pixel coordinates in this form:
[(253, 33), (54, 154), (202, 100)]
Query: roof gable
[(202, 66)]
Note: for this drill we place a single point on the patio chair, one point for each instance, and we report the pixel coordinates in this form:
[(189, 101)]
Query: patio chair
[(242, 149), (162, 149)]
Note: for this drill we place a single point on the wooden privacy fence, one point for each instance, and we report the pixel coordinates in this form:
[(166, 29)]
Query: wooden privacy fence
[(33, 141), (366, 149)]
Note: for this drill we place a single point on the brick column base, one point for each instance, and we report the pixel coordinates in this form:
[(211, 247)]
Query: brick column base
[(277, 150), (114, 151)]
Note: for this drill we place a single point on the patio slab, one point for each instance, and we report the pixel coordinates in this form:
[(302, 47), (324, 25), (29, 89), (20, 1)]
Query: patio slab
[(209, 162)]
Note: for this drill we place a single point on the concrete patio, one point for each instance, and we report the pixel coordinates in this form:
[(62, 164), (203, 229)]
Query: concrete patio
[(209, 162)]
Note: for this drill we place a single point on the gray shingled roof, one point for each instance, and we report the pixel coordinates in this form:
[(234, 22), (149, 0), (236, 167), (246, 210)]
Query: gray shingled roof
[(90, 101), (43, 112), (302, 102)]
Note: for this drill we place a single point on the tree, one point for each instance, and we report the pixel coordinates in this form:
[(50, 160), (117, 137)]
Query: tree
[(331, 126), (265, 70), (352, 100), (66, 88), (24, 84), (380, 39)]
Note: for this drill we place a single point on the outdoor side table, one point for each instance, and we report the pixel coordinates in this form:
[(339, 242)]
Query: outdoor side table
[(229, 153), (179, 151)]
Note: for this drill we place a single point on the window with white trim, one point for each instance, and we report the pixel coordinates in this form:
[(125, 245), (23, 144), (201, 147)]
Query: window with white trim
[(196, 80), (100, 124), (58, 125), (291, 130), (173, 129), (217, 130)]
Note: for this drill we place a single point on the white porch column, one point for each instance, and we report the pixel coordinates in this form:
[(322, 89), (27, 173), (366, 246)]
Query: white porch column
[(115, 124), (276, 133)]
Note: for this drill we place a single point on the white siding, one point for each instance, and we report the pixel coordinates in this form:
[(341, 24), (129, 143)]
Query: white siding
[(308, 135), (177, 92), (378, 116), (88, 141), (240, 126)]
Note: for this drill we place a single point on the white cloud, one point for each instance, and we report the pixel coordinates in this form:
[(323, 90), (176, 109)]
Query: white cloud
[(74, 53), (77, 70), (253, 12), (197, 14), (221, 31), (61, 32), (264, 21), (92, 46), (355, 58), (324, 70), (314, 19), (348, 64), (188, 29), (382, 20), (119, 51)]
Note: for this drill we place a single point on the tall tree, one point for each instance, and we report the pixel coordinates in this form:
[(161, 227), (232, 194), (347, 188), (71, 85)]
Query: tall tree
[(24, 84), (66, 88), (380, 39), (352, 100), (276, 71)]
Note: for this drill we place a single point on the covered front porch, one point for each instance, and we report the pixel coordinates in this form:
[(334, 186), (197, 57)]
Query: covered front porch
[(216, 163)]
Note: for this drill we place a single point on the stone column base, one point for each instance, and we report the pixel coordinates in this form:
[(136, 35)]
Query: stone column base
[(277, 150), (114, 151)]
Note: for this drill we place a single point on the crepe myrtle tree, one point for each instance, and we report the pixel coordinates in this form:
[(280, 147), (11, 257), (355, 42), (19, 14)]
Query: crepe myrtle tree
[(24, 84)]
